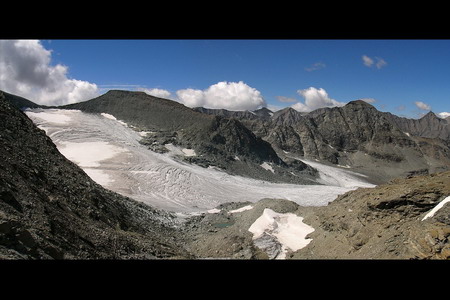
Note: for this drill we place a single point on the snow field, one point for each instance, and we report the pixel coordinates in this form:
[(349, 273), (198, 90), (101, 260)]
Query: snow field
[(288, 229)]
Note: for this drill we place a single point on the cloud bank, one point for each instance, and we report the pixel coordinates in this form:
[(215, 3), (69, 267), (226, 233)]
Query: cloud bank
[(228, 95), (314, 99), (26, 70)]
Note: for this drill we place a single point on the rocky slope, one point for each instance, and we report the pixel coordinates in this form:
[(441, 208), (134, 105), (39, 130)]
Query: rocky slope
[(49, 208), (217, 140), (386, 222)]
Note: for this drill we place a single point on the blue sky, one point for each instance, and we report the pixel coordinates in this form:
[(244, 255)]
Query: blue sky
[(405, 77)]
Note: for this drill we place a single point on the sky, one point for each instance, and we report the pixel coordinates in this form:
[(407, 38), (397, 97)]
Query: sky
[(405, 77)]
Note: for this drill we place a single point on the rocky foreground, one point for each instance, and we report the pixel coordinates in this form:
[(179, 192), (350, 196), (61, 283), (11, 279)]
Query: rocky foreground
[(386, 222)]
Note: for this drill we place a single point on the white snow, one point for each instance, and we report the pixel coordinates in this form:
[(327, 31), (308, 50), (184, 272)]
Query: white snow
[(89, 154), (436, 208), (111, 117), (335, 176), (407, 133), (267, 167), (188, 152), (236, 158), (248, 207), (112, 155), (288, 229), (144, 133), (214, 211), (99, 176), (346, 166), (50, 117), (108, 116)]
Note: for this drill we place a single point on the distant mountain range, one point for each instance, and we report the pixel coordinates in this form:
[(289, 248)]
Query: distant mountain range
[(378, 144)]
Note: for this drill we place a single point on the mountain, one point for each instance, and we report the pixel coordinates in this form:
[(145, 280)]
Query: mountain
[(20, 102), (358, 136), (217, 140), (429, 126), (50, 208)]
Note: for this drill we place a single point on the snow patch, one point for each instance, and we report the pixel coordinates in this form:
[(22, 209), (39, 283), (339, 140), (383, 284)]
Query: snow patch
[(436, 208), (214, 211), (52, 116), (337, 177), (407, 133), (111, 117), (188, 152), (236, 158), (89, 154), (287, 229), (99, 176), (346, 166), (248, 207), (267, 167)]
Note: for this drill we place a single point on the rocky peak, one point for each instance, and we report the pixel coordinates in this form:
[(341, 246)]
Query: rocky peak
[(287, 116), (263, 113), (431, 116)]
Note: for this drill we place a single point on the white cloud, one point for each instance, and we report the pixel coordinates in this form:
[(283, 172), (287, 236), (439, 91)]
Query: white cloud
[(443, 115), (314, 99), (369, 62), (227, 95), (286, 99), (315, 67), (369, 100), (422, 105), (25, 70), (380, 63), (161, 93)]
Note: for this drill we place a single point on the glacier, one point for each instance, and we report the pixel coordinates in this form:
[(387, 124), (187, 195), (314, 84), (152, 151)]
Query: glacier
[(108, 150)]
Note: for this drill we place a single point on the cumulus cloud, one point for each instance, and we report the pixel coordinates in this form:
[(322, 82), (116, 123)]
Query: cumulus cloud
[(314, 99), (315, 67), (227, 95), (161, 93), (26, 70), (370, 62), (443, 115), (422, 105)]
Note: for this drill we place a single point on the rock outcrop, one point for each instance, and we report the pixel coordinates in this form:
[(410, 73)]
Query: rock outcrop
[(386, 222)]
